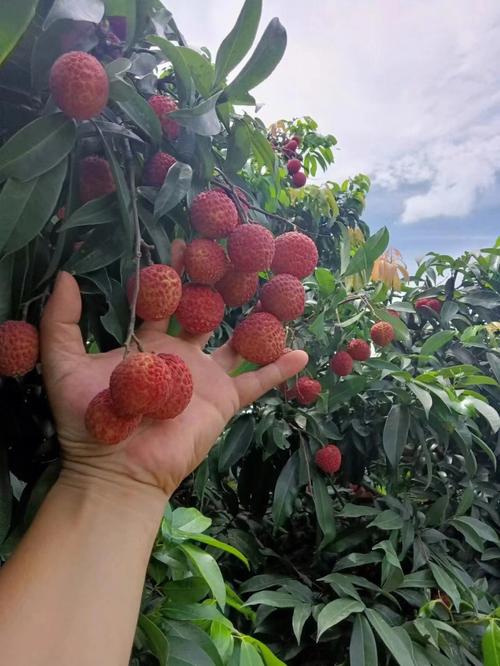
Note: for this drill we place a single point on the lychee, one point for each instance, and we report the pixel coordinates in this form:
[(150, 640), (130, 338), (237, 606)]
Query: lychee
[(329, 459), (295, 253), (160, 291), (260, 338), (359, 350), (19, 348), (79, 85), (237, 288), (213, 214), (251, 248), (432, 303), (283, 296), (341, 364), (205, 261), (299, 179), (306, 391), (182, 388), (95, 178), (201, 309), (156, 169), (382, 333), (140, 383), (163, 105), (297, 139), (241, 194), (104, 424), (293, 166), (291, 146)]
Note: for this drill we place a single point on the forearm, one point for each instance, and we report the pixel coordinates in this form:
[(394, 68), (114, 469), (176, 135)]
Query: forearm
[(71, 592)]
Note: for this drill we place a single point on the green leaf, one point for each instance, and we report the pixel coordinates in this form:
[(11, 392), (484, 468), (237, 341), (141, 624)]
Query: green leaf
[(365, 256), (6, 273), (116, 319), (201, 119), (270, 659), (285, 492), (191, 644), (300, 616), (358, 511), (183, 79), (326, 281), (387, 520), (274, 599), (423, 396), (175, 187), (237, 43), (157, 640), (446, 583), (336, 611), (436, 513), (362, 649), (37, 148), (126, 8), (215, 543), (346, 389), (396, 433), (237, 442), (122, 191), (390, 638), (482, 530), (489, 413), (202, 70), (494, 362), (98, 211), (15, 17), (324, 510), (183, 652), (104, 246), (206, 567), (190, 520), (436, 341), (400, 329), (249, 656), (135, 107), (238, 147), (490, 644), (90, 10)]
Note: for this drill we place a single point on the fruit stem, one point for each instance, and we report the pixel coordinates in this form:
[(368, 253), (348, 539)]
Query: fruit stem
[(234, 196), (137, 249)]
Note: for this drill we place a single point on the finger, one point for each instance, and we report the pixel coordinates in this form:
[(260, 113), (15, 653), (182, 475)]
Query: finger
[(225, 356), (196, 340), (59, 326), (252, 385)]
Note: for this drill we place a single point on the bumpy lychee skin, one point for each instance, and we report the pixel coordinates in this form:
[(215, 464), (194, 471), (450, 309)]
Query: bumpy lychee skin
[(163, 105), (329, 459), (237, 288), (79, 85), (201, 309), (140, 383), (160, 291), (205, 261), (260, 338), (382, 333), (291, 146), (19, 348), (306, 391), (341, 364), (213, 214), (293, 166), (156, 169), (104, 424), (432, 303), (95, 178), (284, 297), (299, 179), (251, 248), (359, 350), (295, 253), (182, 388)]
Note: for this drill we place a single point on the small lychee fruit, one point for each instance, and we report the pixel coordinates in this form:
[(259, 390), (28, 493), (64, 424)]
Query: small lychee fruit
[(140, 383), (19, 348), (251, 248), (241, 194), (163, 105), (283, 296), (205, 261), (382, 333), (297, 139), (329, 459), (341, 364), (201, 309), (182, 388), (291, 146), (237, 288), (95, 178), (104, 424), (260, 338), (299, 179), (359, 350), (432, 303), (160, 291), (213, 214), (156, 169), (295, 253), (293, 166), (79, 85), (306, 391)]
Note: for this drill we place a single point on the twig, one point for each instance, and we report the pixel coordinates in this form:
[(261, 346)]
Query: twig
[(137, 249), (229, 187), (26, 304), (147, 248)]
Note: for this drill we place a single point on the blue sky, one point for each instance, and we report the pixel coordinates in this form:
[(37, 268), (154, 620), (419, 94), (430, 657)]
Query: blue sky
[(411, 90)]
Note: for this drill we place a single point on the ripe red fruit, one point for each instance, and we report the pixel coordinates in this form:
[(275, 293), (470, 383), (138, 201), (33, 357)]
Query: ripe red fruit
[(79, 85), (359, 350), (201, 309), (382, 333), (283, 296), (182, 388), (140, 383), (251, 248), (298, 139), (293, 166), (163, 105), (260, 338), (236, 287), (104, 424), (95, 178), (341, 364), (160, 291), (306, 391), (19, 348), (205, 261), (432, 303), (241, 194), (156, 169), (299, 179), (291, 146), (295, 253), (329, 459), (213, 214)]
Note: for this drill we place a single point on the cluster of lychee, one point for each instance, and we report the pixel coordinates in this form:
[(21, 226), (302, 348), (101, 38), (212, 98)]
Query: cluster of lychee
[(293, 162), (341, 363)]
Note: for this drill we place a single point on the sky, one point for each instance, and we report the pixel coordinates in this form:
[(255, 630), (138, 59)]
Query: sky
[(411, 90)]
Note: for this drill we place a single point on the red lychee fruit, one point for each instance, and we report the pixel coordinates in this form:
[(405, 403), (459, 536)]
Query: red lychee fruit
[(242, 197), (182, 388), (213, 214), (329, 459), (79, 85), (306, 391), (297, 139), (251, 248), (201, 309), (160, 291), (295, 253), (163, 105), (104, 424), (293, 166), (95, 178), (359, 350), (237, 288), (19, 348), (205, 261), (156, 169), (260, 338), (341, 364), (299, 179), (140, 383), (291, 146), (284, 297), (382, 333), (432, 303)]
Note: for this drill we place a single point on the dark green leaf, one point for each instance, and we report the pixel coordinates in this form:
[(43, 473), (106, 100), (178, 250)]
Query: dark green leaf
[(358, 511), (446, 583), (174, 188), (236, 443), (189, 633), (98, 211), (362, 649), (336, 611), (5, 495), (201, 119), (274, 599), (158, 642), (249, 656), (104, 246), (436, 341), (491, 644), (15, 17), (390, 638), (423, 396), (206, 567), (437, 511), (135, 107), (483, 530), (494, 362), (300, 616), (324, 510), (6, 272), (347, 389), (387, 520), (183, 78), (202, 70), (396, 433), (157, 234), (286, 490), (116, 319), (122, 191), (239, 146)]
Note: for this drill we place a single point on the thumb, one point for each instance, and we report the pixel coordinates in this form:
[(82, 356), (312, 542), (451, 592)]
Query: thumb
[(59, 326)]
